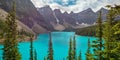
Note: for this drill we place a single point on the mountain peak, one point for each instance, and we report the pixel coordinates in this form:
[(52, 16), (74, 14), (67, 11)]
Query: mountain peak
[(47, 6), (65, 12), (89, 10), (71, 12), (57, 10), (103, 10)]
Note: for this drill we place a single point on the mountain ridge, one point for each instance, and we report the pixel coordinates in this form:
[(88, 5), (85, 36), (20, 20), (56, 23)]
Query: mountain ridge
[(45, 19), (71, 19)]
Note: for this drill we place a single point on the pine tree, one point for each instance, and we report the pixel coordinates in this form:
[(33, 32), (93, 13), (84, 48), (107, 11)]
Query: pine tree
[(88, 55), (116, 51), (31, 49), (98, 44), (50, 52), (116, 29), (99, 34), (11, 43), (109, 34), (115, 47), (70, 54), (74, 48)]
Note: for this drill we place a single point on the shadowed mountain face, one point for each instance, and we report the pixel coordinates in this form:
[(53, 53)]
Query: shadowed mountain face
[(86, 16), (55, 16), (48, 14), (26, 12), (64, 17)]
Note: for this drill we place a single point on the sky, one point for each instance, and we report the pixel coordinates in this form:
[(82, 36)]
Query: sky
[(74, 5)]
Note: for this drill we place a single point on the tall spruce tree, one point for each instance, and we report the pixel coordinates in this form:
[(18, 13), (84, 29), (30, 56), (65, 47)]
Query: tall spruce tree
[(99, 34), (98, 43), (111, 39), (11, 43), (88, 54), (116, 29), (50, 52), (74, 48), (31, 49), (109, 34), (70, 53)]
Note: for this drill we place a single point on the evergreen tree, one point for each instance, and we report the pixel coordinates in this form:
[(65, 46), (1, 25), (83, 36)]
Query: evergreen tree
[(31, 49), (98, 43), (111, 39), (74, 48), (99, 34), (88, 50), (50, 52), (116, 29), (109, 34), (11, 43), (115, 51), (70, 54)]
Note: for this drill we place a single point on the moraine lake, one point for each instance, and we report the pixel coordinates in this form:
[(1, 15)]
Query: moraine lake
[(60, 42)]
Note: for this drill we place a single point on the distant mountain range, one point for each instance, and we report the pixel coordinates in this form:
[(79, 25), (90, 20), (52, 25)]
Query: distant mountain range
[(71, 20), (45, 19)]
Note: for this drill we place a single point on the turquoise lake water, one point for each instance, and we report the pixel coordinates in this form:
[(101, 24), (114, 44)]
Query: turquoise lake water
[(60, 45)]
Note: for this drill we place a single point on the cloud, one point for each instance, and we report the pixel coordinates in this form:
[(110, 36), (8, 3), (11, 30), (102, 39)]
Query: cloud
[(75, 5)]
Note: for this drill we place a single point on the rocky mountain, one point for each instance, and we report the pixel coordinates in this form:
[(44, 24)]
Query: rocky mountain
[(27, 14), (56, 18), (71, 20), (64, 17), (48, 15), (86, 16), (45, 19)]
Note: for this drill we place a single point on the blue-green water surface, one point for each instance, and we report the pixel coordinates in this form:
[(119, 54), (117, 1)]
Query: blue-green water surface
[(60, 46)]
